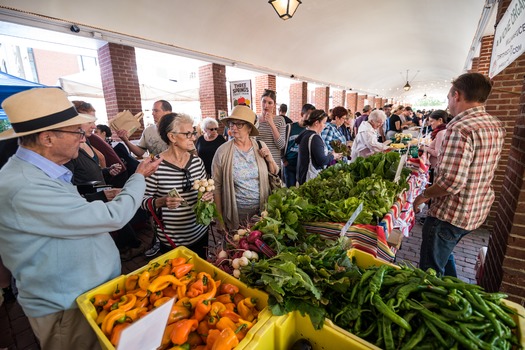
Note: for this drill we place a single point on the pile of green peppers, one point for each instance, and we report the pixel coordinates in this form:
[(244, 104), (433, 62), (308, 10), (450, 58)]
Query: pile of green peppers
[(409, 308)]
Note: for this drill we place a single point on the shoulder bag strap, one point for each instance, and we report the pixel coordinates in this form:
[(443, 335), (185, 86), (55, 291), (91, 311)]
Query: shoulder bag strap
[(158, 221), (310, 147)]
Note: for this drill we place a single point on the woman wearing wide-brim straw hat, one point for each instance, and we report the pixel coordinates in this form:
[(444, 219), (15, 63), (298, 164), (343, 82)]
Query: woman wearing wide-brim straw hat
[(240, 170)]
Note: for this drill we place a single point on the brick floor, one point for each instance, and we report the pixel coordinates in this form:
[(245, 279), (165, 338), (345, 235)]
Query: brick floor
[(16, 333)]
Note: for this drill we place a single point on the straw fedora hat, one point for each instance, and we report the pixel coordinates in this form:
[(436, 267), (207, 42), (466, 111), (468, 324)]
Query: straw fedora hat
[(40, 109), (246, 115)]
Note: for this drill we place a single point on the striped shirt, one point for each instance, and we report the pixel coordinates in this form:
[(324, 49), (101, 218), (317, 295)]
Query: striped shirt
[(266, 135), (180, 223), (469, 156)]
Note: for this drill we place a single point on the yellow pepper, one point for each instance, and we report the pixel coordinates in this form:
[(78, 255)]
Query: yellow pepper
[(227, 340), (112, 317), (212, 290), (100, 299), (127, 302), (134, 314), (224, 323), (162, 282), (101, 315), (144, 280), (131, 283), (161, 301)]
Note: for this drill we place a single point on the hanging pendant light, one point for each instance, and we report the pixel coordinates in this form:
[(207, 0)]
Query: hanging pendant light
[(285, 8), (407, 85)]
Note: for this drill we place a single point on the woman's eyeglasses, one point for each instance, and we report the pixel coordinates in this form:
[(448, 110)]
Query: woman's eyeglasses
[(238, 125), (188, 134)]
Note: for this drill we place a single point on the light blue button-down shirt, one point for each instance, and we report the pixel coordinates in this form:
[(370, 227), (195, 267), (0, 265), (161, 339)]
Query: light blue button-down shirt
[(50, 168)]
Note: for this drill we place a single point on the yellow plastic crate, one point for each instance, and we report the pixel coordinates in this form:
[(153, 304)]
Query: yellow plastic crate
[(90, 312), (281, 332)]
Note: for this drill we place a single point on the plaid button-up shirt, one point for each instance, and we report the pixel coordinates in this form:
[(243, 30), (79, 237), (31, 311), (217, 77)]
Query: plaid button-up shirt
[(469, 156)]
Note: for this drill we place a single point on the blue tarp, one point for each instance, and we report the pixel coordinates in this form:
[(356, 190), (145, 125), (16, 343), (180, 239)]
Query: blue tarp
[(10, 85)]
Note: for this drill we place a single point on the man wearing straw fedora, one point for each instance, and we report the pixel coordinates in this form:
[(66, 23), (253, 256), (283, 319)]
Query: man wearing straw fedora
[(55, 243)]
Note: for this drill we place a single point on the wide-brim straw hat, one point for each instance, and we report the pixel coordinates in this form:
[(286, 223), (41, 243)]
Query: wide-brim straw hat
[(244, 114), (40, 109)]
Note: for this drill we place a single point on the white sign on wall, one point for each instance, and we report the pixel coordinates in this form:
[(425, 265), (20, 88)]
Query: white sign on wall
[(241, 93), (509, 39)]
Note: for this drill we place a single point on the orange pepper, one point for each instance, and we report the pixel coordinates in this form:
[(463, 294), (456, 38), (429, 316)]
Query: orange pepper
[(181, 330), (110, 303), (229, 288), (246, 309), (100, 317), (213, 335), (155, 296), (161, 301), (201, 309), (131, 282), (166, 336), (100, 299), (117, 331), (203, 330), (134, 314), (118, 293), (184, 302), (227, 340), (224, 298), (243, 327), (208, 295), (217, 308), (226, 322), (238, 297), (194, 339), (200, 347), (140, 293), (154, 270), (165, 270), (127, 302), (142, 302), (169, 292), (181, 270), (144, 280), (196, 288), (178, 313), (231, 307), (181, 291), (231, 315), (178, 261)]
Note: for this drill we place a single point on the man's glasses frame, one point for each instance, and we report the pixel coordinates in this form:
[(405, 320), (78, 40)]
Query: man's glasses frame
[(213, 129), (80, 132)]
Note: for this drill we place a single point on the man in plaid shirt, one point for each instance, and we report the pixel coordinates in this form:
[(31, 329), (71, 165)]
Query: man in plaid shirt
[(461, 194)]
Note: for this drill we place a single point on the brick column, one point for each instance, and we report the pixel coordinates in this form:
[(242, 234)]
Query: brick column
[(360, 103), (322, 98), (120, 82), (378, 103), (505, 259), (475, 65), (298, 97), (338, 98), (351, 101), (212, 91), (485, 54), (372, 101), (263, 82)]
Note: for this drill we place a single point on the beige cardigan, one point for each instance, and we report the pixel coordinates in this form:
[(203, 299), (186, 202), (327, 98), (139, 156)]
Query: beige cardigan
[(221, 170)]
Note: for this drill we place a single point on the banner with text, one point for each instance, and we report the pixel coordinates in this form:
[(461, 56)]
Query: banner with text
[(509, 39), (241, 93)]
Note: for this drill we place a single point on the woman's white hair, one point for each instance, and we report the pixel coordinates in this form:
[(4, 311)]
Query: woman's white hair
[(209, 122), (377, 116)]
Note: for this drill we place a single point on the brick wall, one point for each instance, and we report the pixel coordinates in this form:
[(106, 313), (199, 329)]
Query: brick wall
[(120, 82), (298, 97), (351, 101), (322, 98), (475, 65), (371, 101), (378, 103), (338, 98), (360, 103), (483, 64), (213, 91), (506, 257), (263, 82)]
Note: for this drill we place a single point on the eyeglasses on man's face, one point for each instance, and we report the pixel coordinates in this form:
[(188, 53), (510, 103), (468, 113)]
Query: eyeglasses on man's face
[(188, 134), (238, 125), (80, 132), (213, 129)]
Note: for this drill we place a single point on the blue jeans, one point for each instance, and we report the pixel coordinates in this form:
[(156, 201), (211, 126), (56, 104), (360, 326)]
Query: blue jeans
[(290, 176), (439, 240)]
